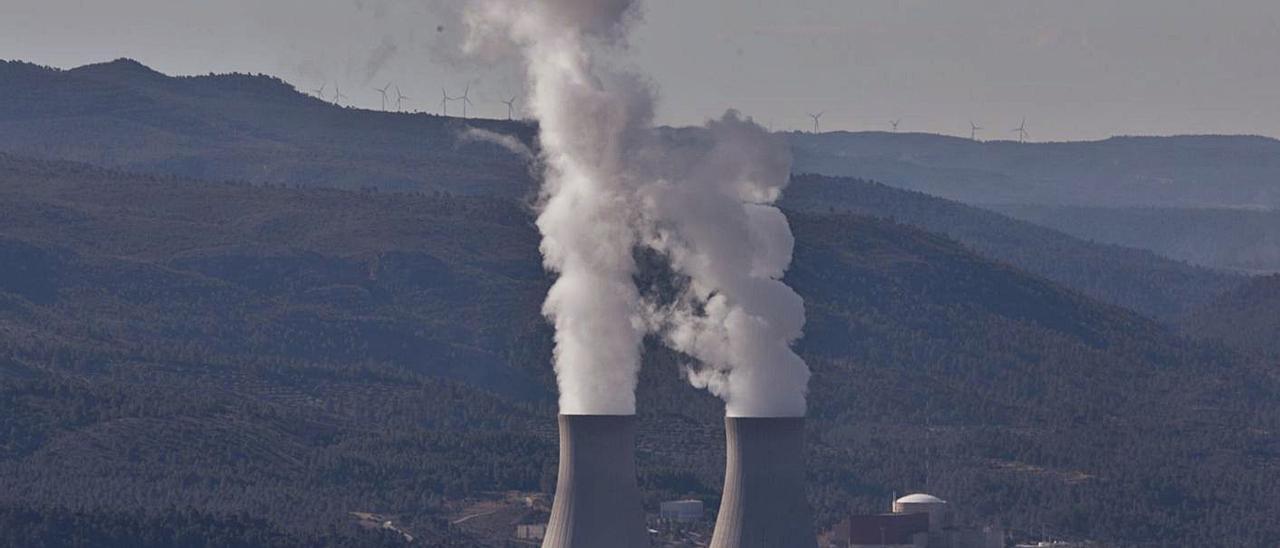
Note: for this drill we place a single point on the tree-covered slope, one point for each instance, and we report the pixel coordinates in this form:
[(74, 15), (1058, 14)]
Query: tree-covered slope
[(1236, 239), (299, 354), (1179, 171), (1246, 318), (241, 127), (1128, 277), (258, 129)]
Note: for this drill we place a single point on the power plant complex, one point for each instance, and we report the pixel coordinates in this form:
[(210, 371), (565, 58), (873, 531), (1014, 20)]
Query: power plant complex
[(917, 520), (597, 501)]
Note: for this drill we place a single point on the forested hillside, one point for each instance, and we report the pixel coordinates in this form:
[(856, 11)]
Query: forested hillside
[(1192, 171), (244, 127), (189, 528), (1128, 277), (259, 129), (1246, 318), (299, 354), (1243, 240)]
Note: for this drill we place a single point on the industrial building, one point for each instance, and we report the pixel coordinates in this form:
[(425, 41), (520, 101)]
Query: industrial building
[(531, 531), (916, 521), (879, 530), (681, 511), (1058, 544)]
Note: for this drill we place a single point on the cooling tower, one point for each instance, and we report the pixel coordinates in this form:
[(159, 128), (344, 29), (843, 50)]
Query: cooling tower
[(764, 505), (597, 502)]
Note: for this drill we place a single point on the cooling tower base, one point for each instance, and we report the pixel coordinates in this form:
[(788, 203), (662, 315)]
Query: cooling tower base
[(597, 501), (764, 504)]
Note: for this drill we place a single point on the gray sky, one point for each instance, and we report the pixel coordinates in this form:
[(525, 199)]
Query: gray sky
[(1076, 69)]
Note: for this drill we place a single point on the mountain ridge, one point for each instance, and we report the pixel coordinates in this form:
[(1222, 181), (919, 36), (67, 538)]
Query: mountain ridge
[(1174, 171), (1141, 280), (210, 129), (360, 344), (242, 127), (1244, 318)]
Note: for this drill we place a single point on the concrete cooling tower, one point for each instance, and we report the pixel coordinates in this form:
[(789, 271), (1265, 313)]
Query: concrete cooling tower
[(764, 504), (597, 502)]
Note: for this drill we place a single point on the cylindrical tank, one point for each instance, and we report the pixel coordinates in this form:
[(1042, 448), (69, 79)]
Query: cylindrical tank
[(597, 500), (764, 504), (921, 503)]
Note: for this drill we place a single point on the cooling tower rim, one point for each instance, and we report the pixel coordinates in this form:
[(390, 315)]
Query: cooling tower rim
[(596, 414), (736, 416)]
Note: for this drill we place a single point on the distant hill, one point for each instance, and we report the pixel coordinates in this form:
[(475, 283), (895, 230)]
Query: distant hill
[(259, 129), (1132, 278), (1235, 239), (241, 127), (298, 354), (1189, 171), (429, 273), (1246, 318)]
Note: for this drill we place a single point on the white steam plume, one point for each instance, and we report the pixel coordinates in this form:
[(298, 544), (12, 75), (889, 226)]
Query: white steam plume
[(712, 216), (509, 142), (613, 184), (587, 115)]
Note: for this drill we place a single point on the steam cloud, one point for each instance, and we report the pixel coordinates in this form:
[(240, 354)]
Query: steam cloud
[(613, 184), (714, 219), (509, 142)]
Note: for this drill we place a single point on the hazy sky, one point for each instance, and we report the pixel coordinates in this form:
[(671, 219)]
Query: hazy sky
[(1075, 68)]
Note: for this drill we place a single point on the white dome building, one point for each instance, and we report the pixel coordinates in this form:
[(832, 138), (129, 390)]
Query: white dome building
[(921, 503)]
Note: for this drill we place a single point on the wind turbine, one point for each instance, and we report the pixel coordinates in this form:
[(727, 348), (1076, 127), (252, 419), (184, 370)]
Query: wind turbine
[(815, 120), (510, 105), (973, 131), (320, 91), (338, 96), (400, 97), (383, 92), (444, 102), (895, 123), (465, 100), (1021, 130)]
